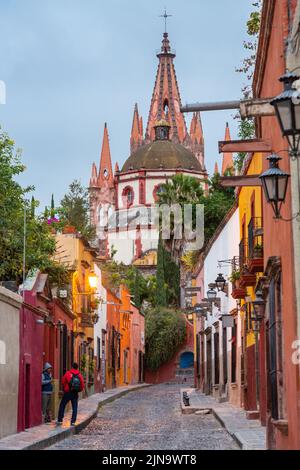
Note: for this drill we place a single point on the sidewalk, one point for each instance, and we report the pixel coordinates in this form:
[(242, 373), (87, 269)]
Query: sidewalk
[(43, 436), (249, 435)]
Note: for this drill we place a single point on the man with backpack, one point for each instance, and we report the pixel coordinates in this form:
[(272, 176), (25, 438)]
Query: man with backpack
[(72, 383)]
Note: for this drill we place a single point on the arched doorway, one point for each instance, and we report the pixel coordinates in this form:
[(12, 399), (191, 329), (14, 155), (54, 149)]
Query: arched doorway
[(186, 360), (185, 370)]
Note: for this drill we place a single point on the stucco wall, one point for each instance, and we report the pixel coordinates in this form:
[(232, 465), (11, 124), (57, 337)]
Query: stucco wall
[(98, 331), (137, 340), (279, 237), (293, 61), (9, 360), (224, 248)]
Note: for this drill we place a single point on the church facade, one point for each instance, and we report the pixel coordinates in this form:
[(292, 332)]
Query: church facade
[(122, 200)]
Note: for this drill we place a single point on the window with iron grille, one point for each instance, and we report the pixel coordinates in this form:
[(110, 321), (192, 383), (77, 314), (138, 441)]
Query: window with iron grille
[(217, 358), (275, 356), (233, 352), (198, 355), (98, 353), (225, 372)]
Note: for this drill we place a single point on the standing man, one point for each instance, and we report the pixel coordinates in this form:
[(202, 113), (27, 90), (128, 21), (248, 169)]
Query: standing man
[(72, 383), (47, 390)]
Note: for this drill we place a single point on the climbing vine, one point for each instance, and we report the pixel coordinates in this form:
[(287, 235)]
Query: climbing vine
[(246, 127)]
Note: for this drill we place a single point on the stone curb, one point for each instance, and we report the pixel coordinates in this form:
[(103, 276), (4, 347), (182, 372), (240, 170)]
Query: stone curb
[(65, 433)]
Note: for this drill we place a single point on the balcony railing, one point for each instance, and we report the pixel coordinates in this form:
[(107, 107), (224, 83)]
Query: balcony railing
[(243, 253), (255, 237)]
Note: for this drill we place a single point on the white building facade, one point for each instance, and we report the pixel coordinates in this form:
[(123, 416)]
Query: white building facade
[(218, 340)]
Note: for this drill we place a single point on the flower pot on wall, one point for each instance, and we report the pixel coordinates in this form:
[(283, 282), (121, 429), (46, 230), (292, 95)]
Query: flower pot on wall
[(69, 229)]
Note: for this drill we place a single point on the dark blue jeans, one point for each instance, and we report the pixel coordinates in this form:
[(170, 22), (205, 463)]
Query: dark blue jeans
[(69, 396)]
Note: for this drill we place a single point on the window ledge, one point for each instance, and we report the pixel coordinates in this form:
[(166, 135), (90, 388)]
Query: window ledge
[(282, 425)]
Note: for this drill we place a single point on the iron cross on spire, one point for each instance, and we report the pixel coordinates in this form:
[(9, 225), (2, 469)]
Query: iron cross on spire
[(165, 16)]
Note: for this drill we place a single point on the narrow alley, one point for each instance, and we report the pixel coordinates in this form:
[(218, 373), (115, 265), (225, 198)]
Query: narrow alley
[(150, 419)]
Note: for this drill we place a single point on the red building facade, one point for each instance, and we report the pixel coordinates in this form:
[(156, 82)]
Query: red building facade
[(32, 316), (279, 330)]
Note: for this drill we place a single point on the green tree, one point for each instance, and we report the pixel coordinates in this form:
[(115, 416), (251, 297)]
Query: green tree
[(216, 205), (137, 290), (115, 274), (246, 127), (74, 210), (161, 297), (172, 279), (165, 333), (180, 189), (246, 130), (14, 203), (183, 190)]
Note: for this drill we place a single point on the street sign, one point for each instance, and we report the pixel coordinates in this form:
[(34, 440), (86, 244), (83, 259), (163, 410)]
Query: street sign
[(193, 289)]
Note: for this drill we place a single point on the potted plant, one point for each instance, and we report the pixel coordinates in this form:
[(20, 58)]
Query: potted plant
[(258, 251), (235, 277), (83, 364), (95, 304), (91, 371)]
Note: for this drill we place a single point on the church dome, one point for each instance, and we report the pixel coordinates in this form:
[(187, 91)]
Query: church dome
[(162, 154)]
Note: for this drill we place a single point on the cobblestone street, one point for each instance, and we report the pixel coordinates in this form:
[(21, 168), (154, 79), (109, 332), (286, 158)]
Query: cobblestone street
[(150, 419)]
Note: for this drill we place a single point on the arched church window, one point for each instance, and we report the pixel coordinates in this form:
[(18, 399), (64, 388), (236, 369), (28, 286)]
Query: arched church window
[(106, 173), (166, 108), (128, 196)]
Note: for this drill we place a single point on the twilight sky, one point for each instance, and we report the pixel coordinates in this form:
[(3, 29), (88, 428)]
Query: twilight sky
[(71, 65)]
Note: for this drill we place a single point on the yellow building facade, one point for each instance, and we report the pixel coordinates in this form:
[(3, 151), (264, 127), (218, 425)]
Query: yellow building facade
[(76, 253), (247, 272)]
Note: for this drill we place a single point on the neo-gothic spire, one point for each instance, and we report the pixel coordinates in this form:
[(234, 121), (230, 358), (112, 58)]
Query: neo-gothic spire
[(227, 157), (136, 139), (166, 100), (196, 131), (105, 175)]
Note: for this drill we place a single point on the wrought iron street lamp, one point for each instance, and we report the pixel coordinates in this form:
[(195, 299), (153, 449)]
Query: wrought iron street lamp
[(287, 108), (211, 294), (95, 318), (258, 306), (275, 183), (93, 280), (220, 283)]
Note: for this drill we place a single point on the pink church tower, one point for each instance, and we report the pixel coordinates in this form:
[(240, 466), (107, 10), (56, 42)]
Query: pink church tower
[(102, 191), (166, 100)]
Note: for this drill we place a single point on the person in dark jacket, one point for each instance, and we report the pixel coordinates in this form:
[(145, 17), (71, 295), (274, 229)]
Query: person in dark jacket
[(72, 383), (47, 391)]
